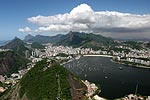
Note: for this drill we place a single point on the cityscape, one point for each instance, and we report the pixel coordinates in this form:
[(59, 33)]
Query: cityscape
[(95, 51)]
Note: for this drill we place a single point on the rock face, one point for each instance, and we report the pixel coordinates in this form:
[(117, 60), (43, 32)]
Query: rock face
[(6, 62), (47, 83), (14, 59), (10, 62)]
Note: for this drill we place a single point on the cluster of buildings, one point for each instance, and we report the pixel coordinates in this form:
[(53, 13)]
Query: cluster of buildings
[(134, 97), (134, 56), (50, 51), (134, 60), (91, 88), (14, 78), (91, 91), (4, 50)]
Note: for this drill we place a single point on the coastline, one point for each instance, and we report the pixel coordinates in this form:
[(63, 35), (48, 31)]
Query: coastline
[(109, 56), (137, 66)]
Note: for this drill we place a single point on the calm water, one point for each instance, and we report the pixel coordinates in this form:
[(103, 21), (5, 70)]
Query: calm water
[(113, 81)]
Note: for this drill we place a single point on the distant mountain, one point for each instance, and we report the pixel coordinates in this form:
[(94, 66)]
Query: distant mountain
[(28, 38), (13, 44), (43, 39), (77, 39), (10, 62), (17, 45), (37, 45), (74, 39), (2, 43), (47, 83)]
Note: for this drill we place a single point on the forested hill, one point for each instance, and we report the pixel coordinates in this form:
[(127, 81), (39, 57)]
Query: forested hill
[(75, 39), (47, 81), (11, 62)]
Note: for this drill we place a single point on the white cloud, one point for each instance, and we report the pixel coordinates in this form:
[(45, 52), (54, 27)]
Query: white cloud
[(83, 18), (24, 30), (64, 28)]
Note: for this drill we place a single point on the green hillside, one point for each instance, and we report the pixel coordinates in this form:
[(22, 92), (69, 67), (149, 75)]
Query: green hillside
[(77, 39), (14, 59), (17, 45), (10, 62), (43, 39), (47, 83), (37, 45), (42, 85)]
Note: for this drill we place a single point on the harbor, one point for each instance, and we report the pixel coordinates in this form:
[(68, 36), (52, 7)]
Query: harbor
[(116, 80)]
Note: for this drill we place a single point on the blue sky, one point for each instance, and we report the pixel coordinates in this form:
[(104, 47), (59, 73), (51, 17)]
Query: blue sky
[(14, 13)]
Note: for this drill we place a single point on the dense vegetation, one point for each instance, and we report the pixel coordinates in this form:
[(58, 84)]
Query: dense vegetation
[(148, 44), (120, 49), (40, 84), (43, 39), (77, 39), (11, 62), (37, 45), (62, 55), (134, 45), (18, 46)]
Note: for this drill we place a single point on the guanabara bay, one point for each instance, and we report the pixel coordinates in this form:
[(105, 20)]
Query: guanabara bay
[(74, 50)]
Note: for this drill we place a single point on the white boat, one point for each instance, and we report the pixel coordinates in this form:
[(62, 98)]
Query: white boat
[(120, 68)]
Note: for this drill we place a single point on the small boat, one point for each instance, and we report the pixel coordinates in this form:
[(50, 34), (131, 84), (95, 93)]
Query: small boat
[(85, 75), (106, 77), (120, 68)]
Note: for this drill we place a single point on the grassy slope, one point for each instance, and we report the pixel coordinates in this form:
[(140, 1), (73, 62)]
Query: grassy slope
[(42, 85)]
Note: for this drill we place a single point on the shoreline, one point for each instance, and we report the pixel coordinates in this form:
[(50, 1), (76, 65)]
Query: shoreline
[(98, 56), (136, 66), (109, 56)]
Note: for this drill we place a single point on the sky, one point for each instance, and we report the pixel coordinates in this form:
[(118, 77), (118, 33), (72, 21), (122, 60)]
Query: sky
[(112, 18)]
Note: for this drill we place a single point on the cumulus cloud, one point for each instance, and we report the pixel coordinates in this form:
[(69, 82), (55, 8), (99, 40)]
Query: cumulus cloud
[(83, 18), (24, 30)]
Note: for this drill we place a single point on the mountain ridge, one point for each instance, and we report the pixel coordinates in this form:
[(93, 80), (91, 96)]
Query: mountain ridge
[(43, 39), (13, 44), (75, 39), (15, 58), (17, 45)]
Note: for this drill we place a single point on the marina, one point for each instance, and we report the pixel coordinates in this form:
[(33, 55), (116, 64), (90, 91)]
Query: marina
[(116, 80)]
